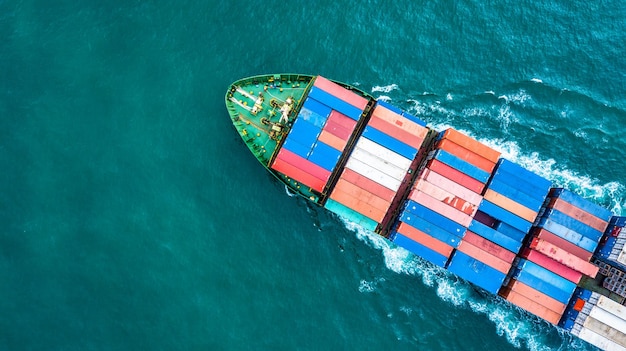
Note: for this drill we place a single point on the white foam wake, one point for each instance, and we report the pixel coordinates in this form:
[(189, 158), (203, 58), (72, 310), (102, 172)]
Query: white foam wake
[(384, 88), (519, 328)]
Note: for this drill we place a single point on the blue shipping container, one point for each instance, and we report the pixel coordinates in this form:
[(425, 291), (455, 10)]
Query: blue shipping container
[(324, 156), (495, 236), (304, 133), (294, 146), (335, 103), (567, 234), (462, 166), (433, 217), (520, 194), (531, 178), (548, 276), (312, 117), (575, 225), (618, 221), (582, 203), (604, 249), (431, 229), (420, 250), (389, 142), (511, 232), (476, 272), (503, 215), (317, 107), (542, 286)]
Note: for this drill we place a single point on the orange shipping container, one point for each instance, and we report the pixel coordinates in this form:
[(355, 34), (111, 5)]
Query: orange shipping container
[(578, 214), (425, 239), (368, 184), (484, 257), (564, 257), (396, 131), (472, 144), (467, 155), (358, 205), (489, 246), (537, 296), (510, 205), (446, 197), (441, 208), (451, 186), (362, 194), (531, 306), (332, 140)]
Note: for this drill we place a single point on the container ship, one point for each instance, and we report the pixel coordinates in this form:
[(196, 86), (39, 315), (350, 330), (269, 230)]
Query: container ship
[(443, 196)]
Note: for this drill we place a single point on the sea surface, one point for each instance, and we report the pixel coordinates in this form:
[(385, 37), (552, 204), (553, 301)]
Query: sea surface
[(133, 217)]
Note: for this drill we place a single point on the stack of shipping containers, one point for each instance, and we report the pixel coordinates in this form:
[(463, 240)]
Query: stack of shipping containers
[(320, 133), (596, 319), (445, 197), (377, 166), (558, 253), (511, 201)]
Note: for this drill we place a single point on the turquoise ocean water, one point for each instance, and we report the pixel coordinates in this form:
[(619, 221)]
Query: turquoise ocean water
[(133, 217)]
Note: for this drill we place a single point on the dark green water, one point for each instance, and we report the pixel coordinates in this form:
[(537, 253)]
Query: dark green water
[(133, 218)]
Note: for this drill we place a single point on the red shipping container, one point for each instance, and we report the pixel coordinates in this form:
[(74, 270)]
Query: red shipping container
[(578, 214), (537, 296), (441, 208), (467, 155), (337, 130), (425, 239), (362, 194), (332, 140), (564, 244), (303, 164), (510, 205), (298, 175), (368, 184), (471, 144), (489, 246), (446, 197), (560, 255), (396, 132), (451, 186), (531, 306), (552, 265), (456, 176), (342, 120), (340, 92), (484, 257), (400, 121), (358, 205)]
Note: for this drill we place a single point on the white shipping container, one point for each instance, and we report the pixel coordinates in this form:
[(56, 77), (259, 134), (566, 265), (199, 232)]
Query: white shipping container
[(378, 163), (383, 153), (373, 174), (605, 330), (608, 318), (622, 256), (444, 196), (599, 341), (611, 306)]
